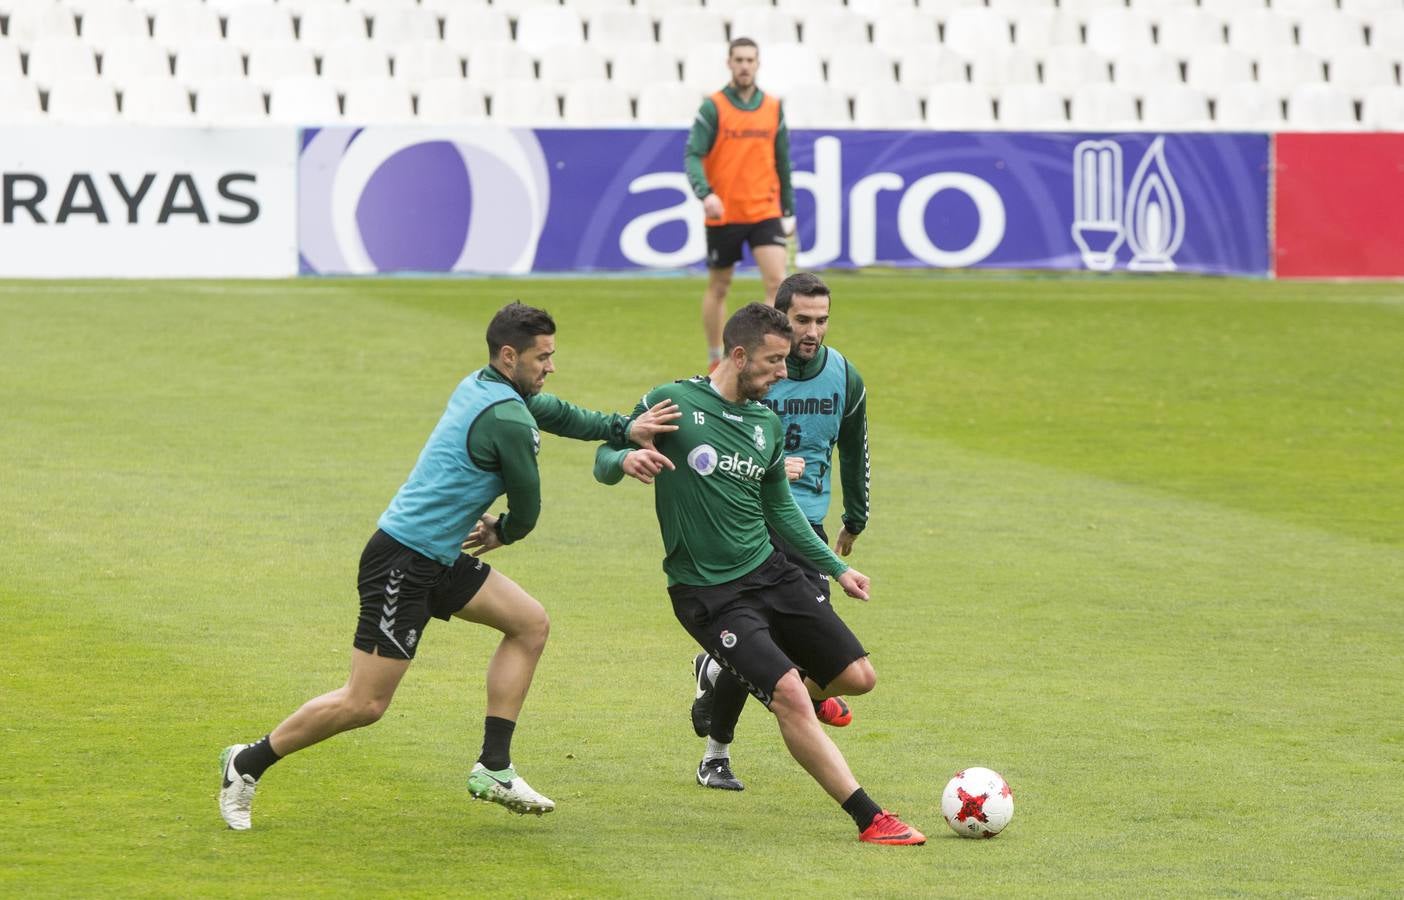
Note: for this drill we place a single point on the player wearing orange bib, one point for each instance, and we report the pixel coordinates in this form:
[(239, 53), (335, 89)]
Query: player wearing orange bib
[(738, 162)]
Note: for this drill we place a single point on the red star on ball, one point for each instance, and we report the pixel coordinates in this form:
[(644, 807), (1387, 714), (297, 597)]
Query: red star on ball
[(971, 806)]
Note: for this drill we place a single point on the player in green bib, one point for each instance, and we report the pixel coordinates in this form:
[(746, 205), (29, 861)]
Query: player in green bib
[(822, 404), (720, 480)]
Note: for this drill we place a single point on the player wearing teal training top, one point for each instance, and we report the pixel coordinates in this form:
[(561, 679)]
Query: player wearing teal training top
[(414, 568), (822, 403), (720, 481)]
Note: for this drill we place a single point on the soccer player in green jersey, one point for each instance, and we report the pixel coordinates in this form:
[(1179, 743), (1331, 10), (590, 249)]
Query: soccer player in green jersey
[(822, 403), (414, 568), (719, 481)]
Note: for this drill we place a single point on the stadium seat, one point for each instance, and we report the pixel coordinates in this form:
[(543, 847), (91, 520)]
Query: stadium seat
[(1302, 7), (1119, 32), (1038, 29), (415, 62), (109, 22), (444, 101), (1145, 67), (1019, 7), (1160, 8), (270, 62), (596, 103), (786, 66), (887, 106), (473, 26), (1370, 9), (832, 30), (918, 69), (1247, 106), (10, 67), (1209, 68), (589, 8), (354, 60), (861, 66), (681, 28), (303, 100), (765, 26), (671, 104), (1168, 107), (1033, 107), (398, 26), (1087, 8), (704, 67), (664, 6), (1383, 109), (1359, 71), (32, 21), (1256, 30), (816, 106), (993, 71), (871, 9), (1283, 68), (1186, 29), (486, 62), (322, 26), (82, 101), (1331, 33), (124, 60), (540, 27), (19, 102), (232, 102), (55, 57), (619, 31), (156, 101), (1067, 66), (174, 23), (943, 9), (899, 30), (299, 7), (954, 107), (569, 63), (807, 8), (258, 24), (632, 69), (971, 31), (1320, 107), (1103, 107), (1387, 32), (203, 62), (523, 103), (377, 101), (373, 8)]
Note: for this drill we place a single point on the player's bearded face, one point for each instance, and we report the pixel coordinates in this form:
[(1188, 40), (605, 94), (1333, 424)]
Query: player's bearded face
[(764, 366), (809, 317), (743, 63), (533, 365)]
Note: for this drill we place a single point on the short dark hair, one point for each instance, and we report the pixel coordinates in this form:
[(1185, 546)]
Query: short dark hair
[(806, 284), (516, 325), (741, 42), (749, 325)]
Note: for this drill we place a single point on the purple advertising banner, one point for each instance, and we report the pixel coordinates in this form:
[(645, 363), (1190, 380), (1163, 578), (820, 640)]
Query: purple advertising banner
[(499, 200)]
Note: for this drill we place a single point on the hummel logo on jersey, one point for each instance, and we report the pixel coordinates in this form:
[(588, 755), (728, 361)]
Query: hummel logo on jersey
[(732, 416), (819, 598)]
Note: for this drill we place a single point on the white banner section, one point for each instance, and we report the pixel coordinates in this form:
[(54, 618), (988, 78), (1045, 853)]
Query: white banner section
[(148, 202)]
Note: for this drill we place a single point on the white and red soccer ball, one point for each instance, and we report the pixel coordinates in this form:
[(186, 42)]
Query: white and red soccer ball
[(977, 803)]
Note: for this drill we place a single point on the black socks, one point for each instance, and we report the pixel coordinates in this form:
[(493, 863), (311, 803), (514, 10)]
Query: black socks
[(497, 743), (255, 759), (861, 808)]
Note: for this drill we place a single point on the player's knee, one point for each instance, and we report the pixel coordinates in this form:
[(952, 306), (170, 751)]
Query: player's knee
[(535, 628), (363, 711), (790, 698), (860, 677)]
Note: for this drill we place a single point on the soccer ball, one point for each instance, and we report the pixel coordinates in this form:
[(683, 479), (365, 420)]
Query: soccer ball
[(977, 803)]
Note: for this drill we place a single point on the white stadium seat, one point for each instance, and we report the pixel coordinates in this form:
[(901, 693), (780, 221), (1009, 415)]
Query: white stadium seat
[(82, 101), (398, 26), (53, 58), (1383, 109), (156, 101), (377, 101), (1104, 107), (1167, 107), (632, 70), (588, 8), (233, 102), (1331, 33), (1146, 67), (1283, 68), (102, 25), (271, 62), (563, 65), (10, 68), (1320, 107), (905, 29), (816, 106), (959, 106), (973, 30), (943, 9), (19, 102), (1067, 66), (415, 62), (833, 30), (203, 62), (1247, 106), (662, 6), (917, 69), (861, 66), (174, 23), (596, 103), (123, 61), (1085, 9), (1039, 29), (33, 21), (682, 28), (1209, 68), (1119, 31), (1031, 106), (994, 71), (1303, 7), (704, 67), (622, 30), (668, 104), (445, 101), (523, 103), (786, 66), (765, 26), (354, 60), (887, 106), (474, 26), (1018, 7), (257, 24), (1161, 8), (540, 27), (324, 25), (1369, 9), (1387, 32), (302, 100), (486, 62), (1189, 28), (1255, 29), (1359, 71), (808, 8)]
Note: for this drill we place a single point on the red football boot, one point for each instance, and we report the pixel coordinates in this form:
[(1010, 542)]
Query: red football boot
[(888, 829)]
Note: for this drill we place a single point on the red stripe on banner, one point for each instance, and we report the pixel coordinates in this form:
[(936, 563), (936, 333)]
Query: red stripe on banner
[(1339, 200)]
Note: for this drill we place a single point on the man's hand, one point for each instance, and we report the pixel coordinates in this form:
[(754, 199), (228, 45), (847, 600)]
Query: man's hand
[(644, 464), (656, 420), (855, 584), (794, 467), (712, 206), (843, 544), (483, 537)]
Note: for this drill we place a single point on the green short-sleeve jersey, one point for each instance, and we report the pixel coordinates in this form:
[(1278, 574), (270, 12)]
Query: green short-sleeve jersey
[(728, 481)]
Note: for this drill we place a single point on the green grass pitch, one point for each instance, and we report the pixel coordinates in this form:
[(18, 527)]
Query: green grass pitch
[(1138, 544)]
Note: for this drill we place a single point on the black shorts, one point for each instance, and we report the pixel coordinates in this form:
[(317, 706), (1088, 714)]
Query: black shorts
[(810, 570), (401, 588), (724, 241), (764, 624)]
